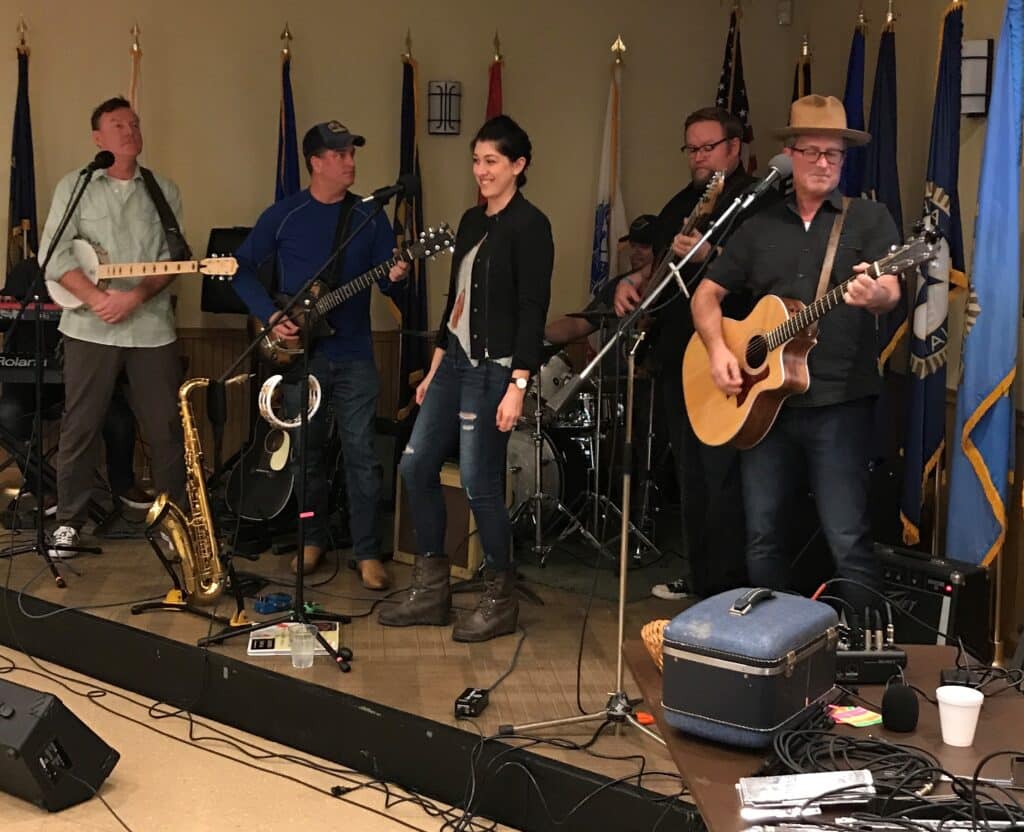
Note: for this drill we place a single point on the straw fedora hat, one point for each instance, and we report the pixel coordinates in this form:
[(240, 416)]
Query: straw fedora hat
[(823, 116)]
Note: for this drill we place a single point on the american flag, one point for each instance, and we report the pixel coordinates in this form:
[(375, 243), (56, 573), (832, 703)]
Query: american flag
[(732, 88)]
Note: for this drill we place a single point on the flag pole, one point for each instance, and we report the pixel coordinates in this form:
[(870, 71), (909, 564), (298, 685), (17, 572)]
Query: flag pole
[(23, 49), (136, 70)]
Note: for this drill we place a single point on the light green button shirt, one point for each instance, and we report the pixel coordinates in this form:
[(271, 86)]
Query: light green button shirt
[(123, 220)]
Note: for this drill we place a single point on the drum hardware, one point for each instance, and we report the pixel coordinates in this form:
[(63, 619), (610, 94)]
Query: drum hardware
[(535, 504)]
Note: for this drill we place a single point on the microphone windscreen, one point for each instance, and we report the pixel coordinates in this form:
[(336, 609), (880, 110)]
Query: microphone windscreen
[(783, 164), (104, 159), (410, 183), (900, 708)]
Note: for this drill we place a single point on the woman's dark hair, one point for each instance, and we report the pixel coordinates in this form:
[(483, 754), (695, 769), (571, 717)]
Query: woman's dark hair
[(510, 139)]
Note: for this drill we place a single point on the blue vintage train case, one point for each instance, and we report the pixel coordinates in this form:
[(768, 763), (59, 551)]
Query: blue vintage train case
[(746, 663)]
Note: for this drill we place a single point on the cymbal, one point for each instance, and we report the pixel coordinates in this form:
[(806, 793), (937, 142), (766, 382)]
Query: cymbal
[(596, 315)]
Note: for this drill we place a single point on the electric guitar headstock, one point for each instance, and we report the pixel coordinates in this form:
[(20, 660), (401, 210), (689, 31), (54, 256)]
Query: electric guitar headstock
[(706, 204), (431, 242)]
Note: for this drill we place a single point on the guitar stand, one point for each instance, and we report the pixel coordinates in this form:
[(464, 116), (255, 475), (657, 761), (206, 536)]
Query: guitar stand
[(177, 599)]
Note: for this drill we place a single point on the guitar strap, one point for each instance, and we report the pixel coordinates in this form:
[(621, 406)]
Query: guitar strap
[(340, 232), (830, 258), (176, 244)]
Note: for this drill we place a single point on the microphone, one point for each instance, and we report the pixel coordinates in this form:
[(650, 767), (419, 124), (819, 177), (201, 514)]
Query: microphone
[(104, 159), (408, 183), (779, 167), (900, 707)]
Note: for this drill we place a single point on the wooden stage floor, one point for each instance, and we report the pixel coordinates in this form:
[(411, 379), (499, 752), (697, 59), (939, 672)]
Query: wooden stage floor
[(416, 669)]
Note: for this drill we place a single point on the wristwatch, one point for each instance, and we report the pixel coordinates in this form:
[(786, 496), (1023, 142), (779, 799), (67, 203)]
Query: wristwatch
[(520, 382)]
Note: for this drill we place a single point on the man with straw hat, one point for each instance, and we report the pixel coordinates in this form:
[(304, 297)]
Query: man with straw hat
[(781, 251)]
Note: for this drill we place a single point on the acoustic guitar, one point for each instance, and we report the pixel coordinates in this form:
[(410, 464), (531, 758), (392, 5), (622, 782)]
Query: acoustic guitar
[(92, 261), (771, 345)]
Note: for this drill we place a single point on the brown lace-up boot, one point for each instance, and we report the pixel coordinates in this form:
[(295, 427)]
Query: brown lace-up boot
[(496, 613), (429, 599)]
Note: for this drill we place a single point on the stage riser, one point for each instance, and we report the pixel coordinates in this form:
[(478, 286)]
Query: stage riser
[(414, 752)]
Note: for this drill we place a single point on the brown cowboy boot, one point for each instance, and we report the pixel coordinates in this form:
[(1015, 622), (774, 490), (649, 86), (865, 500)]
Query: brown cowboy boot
[(496, 613), (429, 599)]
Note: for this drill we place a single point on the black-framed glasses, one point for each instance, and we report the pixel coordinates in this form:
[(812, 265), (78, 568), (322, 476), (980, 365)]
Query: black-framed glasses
[(693, 149), (812, 154)]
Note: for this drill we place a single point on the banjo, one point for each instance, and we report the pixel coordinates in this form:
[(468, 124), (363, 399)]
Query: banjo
[(92, 258)]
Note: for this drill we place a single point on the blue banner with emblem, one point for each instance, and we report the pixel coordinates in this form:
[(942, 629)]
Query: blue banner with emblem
[(23, 238), (287, 181), (851, 183), (881, 173), (983, 443), (925, 439)]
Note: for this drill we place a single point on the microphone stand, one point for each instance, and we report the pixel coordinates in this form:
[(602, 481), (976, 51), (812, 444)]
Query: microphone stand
[(35, 297), (618, 708), (299, 614)]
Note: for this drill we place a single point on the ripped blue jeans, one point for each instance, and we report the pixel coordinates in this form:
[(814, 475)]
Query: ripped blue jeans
[(458, 414)]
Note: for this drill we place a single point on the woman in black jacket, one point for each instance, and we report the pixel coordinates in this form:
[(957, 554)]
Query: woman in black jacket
[(488, 346)]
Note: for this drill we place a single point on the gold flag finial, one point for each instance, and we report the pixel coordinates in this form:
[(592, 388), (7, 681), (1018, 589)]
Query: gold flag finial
[(135, 31), (407, 54), (890, 15), (805, 47), (618, 49), (22, 35), (286, 36), (497, 47), (862, 19)]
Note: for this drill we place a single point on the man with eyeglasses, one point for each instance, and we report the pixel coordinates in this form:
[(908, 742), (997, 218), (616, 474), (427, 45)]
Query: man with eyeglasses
[(781, 251), (709, 480)]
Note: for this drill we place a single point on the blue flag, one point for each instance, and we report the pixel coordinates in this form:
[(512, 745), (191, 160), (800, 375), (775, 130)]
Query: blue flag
[(411, 305), (926, 425), (22, 241), (287, 182), (983, 450), (851, 183), (881, 174)]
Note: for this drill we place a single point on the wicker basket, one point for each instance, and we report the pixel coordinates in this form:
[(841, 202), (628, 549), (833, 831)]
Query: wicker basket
[(653, 634)]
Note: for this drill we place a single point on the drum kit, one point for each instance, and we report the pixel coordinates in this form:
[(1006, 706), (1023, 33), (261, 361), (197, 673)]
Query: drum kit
[(562, 455)]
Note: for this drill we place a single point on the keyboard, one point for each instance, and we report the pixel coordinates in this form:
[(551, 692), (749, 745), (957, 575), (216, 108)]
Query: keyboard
[(16, 368), (9, 311)]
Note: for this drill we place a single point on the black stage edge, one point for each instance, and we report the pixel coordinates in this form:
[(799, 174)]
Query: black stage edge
[(416, 753)]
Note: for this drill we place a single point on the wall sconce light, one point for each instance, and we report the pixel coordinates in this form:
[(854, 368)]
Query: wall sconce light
[(975, 77), (444, 107)]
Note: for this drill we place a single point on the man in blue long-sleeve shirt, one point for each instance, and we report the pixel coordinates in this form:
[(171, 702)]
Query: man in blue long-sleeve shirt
[(300, 234)]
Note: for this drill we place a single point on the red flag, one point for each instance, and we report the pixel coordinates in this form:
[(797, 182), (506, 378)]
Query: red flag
[(493, 98)]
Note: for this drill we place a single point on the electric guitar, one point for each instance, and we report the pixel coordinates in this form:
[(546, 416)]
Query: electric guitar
[(92, 260), (771, 345), (279, 353)]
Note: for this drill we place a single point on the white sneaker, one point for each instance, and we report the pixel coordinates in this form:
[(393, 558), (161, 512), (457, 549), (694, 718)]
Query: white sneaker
[(672, 591), (63, 536)]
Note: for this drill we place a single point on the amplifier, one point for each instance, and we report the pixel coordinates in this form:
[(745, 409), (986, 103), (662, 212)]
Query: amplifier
[(951, 596)]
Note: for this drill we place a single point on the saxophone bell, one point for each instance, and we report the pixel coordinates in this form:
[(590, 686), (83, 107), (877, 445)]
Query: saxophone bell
[(266, 402)]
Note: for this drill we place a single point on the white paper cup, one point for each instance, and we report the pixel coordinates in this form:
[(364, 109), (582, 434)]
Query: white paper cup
[(302, 641), (959, 708)]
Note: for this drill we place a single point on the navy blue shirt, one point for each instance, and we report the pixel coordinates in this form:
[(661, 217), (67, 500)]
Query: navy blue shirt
[(299, 231)]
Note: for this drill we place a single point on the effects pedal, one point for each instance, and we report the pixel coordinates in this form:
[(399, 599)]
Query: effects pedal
[(471, 702)]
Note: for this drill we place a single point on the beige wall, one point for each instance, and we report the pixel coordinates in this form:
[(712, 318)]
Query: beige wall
[(210, 95)]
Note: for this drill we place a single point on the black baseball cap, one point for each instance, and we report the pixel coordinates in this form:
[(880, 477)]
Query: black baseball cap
[(329, 135), (641, 230)]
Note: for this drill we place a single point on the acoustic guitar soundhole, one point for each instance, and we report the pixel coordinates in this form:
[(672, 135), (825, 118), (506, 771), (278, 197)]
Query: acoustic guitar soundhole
[(757, 351)]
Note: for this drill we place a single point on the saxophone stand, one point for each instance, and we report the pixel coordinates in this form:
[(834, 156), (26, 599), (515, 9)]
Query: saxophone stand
[(299, 614), (179, 599), (35, 297)]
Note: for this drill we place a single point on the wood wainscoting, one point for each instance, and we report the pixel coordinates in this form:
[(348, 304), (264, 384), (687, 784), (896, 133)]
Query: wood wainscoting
[(209, 352)]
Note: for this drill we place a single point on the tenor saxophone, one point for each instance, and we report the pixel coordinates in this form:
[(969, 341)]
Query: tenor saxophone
[(192, 535)]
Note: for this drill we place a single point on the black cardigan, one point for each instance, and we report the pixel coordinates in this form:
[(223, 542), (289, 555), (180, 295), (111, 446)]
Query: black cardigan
[(511, 285)]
